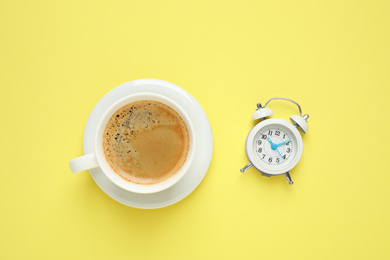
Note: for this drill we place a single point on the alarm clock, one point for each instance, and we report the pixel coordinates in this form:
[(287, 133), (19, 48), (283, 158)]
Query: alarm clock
[(274, 146)]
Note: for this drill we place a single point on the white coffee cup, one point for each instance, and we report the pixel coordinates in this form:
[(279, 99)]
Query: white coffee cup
[(98, 158)]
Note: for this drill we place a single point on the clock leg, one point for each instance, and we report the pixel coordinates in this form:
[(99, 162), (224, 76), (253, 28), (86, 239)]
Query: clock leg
[(246, 167), (287, 174)]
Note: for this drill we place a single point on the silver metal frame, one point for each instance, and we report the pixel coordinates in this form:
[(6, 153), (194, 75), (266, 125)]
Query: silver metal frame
[(286, 99)]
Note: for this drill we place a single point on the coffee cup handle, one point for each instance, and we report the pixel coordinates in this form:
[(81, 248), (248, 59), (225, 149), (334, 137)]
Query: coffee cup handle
[(83, 163)]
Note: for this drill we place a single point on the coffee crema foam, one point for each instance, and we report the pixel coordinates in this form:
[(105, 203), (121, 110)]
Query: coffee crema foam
[(146, 142)]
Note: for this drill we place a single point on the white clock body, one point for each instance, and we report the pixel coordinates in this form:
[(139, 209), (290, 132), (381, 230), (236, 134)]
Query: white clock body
[(274, 146)]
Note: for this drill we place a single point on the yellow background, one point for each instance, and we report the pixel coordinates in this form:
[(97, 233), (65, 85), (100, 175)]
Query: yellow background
[(58, 58)]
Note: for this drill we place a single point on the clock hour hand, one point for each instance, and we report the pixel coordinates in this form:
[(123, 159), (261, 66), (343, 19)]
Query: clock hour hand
[(285, 142)]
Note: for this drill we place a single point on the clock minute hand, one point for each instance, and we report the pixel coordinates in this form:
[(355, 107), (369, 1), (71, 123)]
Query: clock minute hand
[(274, 147), (279, 154)]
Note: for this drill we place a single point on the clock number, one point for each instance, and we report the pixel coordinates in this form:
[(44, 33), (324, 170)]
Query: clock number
[(270, 159), (269, 132), (284, 136), (260, 150), (264, 137), (259, 142), (284, 157), (288, 150), (277, 133), (277, 160), (263, 156)]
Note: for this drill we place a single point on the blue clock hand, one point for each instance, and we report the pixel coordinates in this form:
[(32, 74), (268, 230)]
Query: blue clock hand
[(273, 146), (285, 142), (279, 154)]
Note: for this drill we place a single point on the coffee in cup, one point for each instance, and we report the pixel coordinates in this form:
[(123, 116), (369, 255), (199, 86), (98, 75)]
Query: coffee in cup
[(143, 143), (146, 142)]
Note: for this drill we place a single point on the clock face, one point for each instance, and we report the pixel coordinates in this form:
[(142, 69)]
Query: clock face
[(274, 146)]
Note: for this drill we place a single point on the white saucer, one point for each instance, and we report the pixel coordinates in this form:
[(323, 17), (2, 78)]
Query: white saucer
[(202, 157)]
